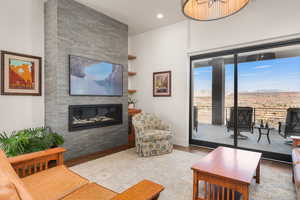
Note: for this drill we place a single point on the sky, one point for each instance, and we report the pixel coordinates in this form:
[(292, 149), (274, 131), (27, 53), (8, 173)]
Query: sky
[(99, 71), (276, 75)]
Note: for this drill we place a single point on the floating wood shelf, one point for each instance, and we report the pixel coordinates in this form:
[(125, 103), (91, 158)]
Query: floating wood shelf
[(131, 73), (131, 91), (130, 57)]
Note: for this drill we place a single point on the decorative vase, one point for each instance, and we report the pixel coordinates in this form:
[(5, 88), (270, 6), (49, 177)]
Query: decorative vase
[(131, 106)]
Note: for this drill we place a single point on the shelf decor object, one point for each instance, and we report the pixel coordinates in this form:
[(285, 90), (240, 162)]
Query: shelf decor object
[(206, 10)]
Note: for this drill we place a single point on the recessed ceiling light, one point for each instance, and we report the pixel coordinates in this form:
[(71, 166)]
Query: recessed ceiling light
[(160, 16)]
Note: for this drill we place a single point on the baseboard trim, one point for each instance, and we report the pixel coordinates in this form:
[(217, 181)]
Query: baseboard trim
[(93, 156)]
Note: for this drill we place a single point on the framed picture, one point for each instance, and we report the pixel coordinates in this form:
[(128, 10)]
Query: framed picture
[(162, 84), (20, 74), (90, 77)]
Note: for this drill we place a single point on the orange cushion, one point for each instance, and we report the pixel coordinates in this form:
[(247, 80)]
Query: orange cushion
[(8, 173), (91, 191), (54, 183), (8, 190)]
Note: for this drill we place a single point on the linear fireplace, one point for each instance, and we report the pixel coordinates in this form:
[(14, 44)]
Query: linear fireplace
[(92, 116)]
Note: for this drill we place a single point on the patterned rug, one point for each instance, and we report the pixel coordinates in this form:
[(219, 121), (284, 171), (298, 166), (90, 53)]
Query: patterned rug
[(124, 169)]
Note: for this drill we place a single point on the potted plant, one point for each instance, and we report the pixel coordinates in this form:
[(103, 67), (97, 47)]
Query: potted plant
[(29, 140), (131, 102)]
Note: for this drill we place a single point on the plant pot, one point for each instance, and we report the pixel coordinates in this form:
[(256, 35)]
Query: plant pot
[(131, 106)]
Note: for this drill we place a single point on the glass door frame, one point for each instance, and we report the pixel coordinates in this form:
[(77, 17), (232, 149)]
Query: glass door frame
[(235, 52)]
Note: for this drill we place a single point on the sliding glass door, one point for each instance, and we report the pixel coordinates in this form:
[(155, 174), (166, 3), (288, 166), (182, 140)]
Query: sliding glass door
[(247, 98), (212, 95), (269, 91)]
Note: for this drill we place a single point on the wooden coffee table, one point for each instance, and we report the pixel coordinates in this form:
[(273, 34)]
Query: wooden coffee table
[(224, 171)]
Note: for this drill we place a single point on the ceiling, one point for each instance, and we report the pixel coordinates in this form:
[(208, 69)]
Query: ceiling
[(140, 15)]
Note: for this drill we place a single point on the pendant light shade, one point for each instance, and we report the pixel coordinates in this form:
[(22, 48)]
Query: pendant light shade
[(205, 10)]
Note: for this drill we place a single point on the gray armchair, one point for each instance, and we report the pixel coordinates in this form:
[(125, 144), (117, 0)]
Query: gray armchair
[(152, 135)]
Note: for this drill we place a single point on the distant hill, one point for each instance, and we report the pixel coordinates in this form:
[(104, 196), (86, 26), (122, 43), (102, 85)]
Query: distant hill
[(206, 93)]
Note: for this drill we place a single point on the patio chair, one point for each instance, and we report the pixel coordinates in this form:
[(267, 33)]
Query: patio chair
[(195, 111), (292, 123), (245, 121)]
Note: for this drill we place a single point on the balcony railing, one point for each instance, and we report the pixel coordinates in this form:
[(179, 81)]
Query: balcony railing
[(272, 115)]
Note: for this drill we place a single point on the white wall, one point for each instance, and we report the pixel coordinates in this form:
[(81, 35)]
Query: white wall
[(22, 31), (161, 50), (168, 48), (259, 20)]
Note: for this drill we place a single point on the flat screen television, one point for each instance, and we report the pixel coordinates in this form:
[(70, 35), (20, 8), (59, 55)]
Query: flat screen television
[(89, 77)]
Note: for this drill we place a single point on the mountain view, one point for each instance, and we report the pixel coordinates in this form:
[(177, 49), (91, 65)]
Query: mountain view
[(270, 86)]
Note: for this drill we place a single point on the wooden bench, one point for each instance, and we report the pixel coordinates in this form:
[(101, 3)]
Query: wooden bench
[(42, 176)]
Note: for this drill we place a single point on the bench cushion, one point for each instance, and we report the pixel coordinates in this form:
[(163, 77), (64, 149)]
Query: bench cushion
[(91, 191), (54, 183), (12, 180), (8, 190)]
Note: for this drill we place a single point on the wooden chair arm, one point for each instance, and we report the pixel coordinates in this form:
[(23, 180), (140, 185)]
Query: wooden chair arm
[(31, 163), (296, 141), (144, 190)]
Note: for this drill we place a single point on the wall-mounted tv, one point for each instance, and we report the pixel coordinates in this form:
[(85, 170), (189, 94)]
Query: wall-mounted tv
[(89, 77)]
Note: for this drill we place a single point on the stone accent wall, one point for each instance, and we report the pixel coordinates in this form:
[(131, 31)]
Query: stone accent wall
[(74, 29)]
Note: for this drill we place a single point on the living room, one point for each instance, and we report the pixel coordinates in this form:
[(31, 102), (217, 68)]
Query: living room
[(149, 100)]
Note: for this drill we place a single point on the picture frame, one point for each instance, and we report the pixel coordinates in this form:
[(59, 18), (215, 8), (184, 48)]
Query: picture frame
[(162, 84), (21, 74), (78, 69)]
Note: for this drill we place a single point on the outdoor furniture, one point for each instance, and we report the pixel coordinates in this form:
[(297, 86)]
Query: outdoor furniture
[(41, 182), (245, 121), (195, 109), (227, 174), (264, 131), (296, 164), (152, 135), (292, 123)]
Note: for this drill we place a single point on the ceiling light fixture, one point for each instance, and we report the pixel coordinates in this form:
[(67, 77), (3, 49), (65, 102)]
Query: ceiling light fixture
[(206, 10), (160, 16)]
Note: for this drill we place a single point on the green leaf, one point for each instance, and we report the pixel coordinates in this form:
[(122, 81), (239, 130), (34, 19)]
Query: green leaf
[(29, 140)]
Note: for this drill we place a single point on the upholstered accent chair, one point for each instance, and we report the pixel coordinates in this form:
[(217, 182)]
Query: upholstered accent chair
[(152, 135)]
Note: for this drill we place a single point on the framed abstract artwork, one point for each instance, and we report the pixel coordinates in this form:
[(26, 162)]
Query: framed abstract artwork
[(90, 77), (162, 84), (20, 74)]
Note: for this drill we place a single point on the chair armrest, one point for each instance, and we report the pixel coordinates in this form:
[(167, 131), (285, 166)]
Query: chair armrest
[(31, 163), (139, 127), (145, 190), (296, 141)]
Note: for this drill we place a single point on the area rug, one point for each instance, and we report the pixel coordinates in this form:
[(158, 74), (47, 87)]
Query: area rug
[(124, 169)]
